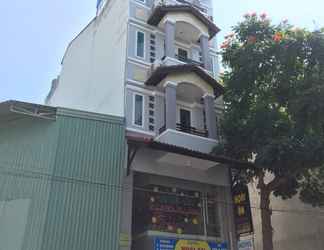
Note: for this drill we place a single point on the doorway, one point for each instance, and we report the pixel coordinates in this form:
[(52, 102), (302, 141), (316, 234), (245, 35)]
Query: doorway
[(185, 119)]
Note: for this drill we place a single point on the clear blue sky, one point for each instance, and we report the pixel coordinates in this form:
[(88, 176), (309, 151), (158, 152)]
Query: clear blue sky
[(35, 33)]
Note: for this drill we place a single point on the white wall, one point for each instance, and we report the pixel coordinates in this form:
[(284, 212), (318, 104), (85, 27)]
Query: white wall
[(297, 226), (93, 69)]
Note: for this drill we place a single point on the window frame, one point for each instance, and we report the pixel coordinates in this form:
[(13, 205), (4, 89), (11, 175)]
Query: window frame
[(134, 110), (184, 49), (144, 45), (204, 214)]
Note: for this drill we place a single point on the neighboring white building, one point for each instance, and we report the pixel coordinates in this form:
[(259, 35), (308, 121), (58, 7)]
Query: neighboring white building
[(297, 226)]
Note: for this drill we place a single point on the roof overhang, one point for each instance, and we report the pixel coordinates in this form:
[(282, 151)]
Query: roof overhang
[(137, 143), (162, 72), (161, 11), (11, 110)]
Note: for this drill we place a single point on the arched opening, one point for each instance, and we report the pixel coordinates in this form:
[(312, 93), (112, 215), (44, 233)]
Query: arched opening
[(190, 109), (187, 32), (188, 28), (189, 92)]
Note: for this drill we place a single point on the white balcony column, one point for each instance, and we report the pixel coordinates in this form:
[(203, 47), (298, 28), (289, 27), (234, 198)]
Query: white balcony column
[(205, 52), (170, 105), (209, 101), (169, 39)]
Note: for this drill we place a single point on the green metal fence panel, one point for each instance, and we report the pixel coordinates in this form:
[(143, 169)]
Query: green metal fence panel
[(60, 182), (27, 154), (85, 200)]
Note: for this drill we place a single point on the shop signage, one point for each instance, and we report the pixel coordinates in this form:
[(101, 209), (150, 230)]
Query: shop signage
[(242, 210), (174, 244)]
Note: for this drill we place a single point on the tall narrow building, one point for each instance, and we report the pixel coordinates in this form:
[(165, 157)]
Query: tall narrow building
[(154, 63)]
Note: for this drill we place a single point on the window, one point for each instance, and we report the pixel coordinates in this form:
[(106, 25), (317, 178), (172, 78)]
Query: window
[(152, 48), (168, 209), (212, 220), (176, 210), (138, 110), (182, 55), (140, 44), (151, 117)]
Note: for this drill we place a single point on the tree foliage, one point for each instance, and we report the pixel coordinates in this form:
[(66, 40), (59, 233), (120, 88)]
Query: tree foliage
[(274, 105)]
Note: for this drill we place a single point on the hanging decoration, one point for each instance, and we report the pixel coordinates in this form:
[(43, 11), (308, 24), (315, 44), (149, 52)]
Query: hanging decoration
[(171, 209)]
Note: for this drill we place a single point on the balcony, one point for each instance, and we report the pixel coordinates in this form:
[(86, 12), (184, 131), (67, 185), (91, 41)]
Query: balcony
[(188, 129), (188, 106), (192, 141), (184, 22), (185, 59)]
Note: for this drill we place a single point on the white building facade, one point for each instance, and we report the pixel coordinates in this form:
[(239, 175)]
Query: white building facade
[(155, 64)]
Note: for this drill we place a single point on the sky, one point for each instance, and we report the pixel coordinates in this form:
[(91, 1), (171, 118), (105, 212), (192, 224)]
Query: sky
[(34, 35)]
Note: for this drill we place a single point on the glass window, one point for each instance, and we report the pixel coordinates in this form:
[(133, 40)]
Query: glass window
[(175, 210), (212, 221), (182, 55), (140, 44), (138, 110), (170, 210)]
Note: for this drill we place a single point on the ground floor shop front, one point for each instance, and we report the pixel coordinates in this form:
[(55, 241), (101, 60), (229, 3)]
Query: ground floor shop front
[(177, 201)]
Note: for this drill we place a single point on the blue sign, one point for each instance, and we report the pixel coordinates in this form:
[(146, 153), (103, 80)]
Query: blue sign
[(245, 245), (218, 246), (178, 244), (165, 244)]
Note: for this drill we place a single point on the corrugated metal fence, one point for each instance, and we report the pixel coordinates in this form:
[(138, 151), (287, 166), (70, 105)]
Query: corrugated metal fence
[(60, 183)]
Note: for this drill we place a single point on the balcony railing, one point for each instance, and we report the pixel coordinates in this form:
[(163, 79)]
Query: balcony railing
[(188, 60), (183, 2), (188, 130)]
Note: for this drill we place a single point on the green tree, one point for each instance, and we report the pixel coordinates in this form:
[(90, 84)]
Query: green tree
[(274, 110)]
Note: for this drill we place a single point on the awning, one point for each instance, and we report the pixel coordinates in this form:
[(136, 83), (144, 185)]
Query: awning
[(163, 71), (11, 110), (136, 143)]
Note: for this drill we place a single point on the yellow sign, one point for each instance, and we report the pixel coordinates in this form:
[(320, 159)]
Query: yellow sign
[(239, 198), (192, 245)]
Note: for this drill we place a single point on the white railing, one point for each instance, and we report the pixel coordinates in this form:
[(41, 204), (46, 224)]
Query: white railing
[(193, 3), (165, 2)]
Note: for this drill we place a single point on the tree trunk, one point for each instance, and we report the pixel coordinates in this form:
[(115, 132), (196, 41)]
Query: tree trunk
[(266, 213)]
